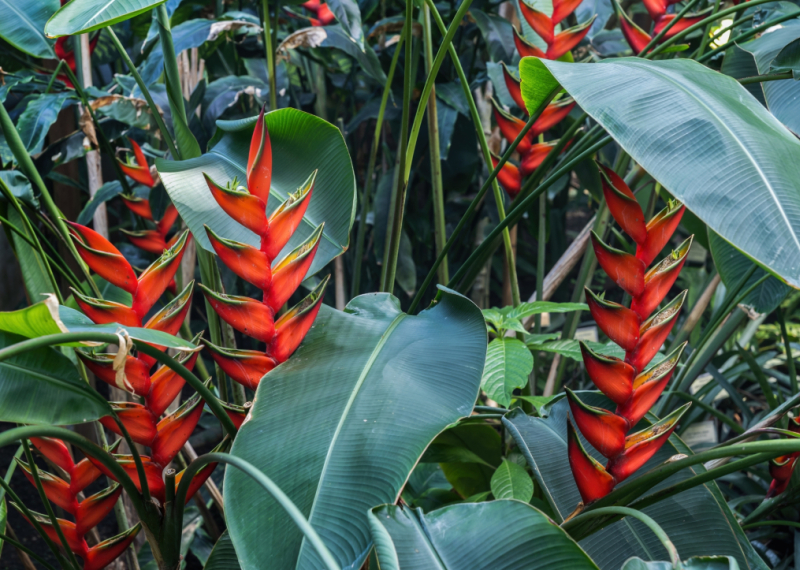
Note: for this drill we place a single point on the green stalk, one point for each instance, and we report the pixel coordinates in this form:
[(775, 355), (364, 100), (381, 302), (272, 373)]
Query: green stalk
[(705, 39), (146, 92), (54, 75), (788, 347), (270, 52), (477, 200), (682, 34), (395, 226), (19, 546), (487, 156), (141, 346), (440, 233), (765, 78), (519, 208), (641, 517), (33, 240), (366, 195), (657, 38), (26, 165), (711, 410), (747, 35), (47, 506)]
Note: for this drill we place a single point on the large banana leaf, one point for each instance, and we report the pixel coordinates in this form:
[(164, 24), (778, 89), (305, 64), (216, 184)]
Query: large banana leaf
[(704, 137), (732, 265), (22, 25), (223, 556), (340, 426), (301, 143), (43, 387), (698, 521), (500, 535), (89, 15)]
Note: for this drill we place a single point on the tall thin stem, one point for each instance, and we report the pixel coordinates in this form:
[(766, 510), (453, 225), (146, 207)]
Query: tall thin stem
[(366, 195), (788, 346), (270, 52)]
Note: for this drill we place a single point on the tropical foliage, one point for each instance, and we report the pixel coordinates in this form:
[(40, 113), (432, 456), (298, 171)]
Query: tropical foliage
[(359, 284)]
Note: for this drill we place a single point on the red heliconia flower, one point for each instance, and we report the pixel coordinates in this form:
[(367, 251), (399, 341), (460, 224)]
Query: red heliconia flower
[(509, 177), (782, 468), (87, 512), (68, 55), (258, 266), (323, 13), (638, 39), (140, 172), (544, 26), (510, 127), (626, 383), (138, 420), (536, 155)]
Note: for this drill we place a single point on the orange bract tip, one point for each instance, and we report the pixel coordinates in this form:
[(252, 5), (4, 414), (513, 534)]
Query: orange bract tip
[(150, 241), (659, 231), (246, 367), (248, 210), (138, 206), (513, 86), (568, 39), (612, 376), (653, 333), (509, 177), (167, 384), (603, 429), (174, 430), (104, 312), (155, 279), (284, 220), (648, 386), (619, 323), (291, 271), (102, 554), (659, 279), (137, 419), (293, 326), (623, 205), (244, 260), (246, 315), (623, 268), (593, 481), (539, 21), (259, 161)]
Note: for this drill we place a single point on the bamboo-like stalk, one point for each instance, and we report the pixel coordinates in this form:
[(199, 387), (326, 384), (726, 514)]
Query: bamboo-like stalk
[(366, 195), (788, 347), (270, 54), (440, 235)]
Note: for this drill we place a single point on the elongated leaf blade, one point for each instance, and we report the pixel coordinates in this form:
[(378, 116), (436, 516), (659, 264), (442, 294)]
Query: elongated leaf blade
[(301, 143), (223, 556), (89, 15), (718, 151), (499, 535), (698, 521), (22, 25), (341, 424), (43, 387)]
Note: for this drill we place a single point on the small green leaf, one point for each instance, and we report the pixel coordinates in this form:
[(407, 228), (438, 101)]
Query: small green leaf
[(508, 364), (511, 481)]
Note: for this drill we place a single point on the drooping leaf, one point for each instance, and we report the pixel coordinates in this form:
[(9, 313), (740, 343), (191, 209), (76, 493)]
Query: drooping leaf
[(34, 271), (105, 193), (511, 481), (737, 172), (348, 14), (498, 535), (704, 527), (732, 265), (224, 93), (359, 375), (508, 364), (469, 455), (20, 187), (89, 15), (37, 118), (22, 25), (223, 556), (301, 143), (42, 386)]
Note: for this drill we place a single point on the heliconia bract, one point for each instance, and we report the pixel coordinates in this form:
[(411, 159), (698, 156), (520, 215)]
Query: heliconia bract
[(641, 334)]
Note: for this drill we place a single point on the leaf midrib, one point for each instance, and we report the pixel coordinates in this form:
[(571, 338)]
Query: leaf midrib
[(719, 120), (348, 406)]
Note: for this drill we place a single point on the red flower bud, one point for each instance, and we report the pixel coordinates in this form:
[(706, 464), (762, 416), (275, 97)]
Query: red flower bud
[(248, 210), (603, 429), (619, 324), (249, 263), (246, 315), (246, 367), (292, 327), (623, 268), (648, 386), (653, 333), (284, 220), (593, 481), (612, 376), (659, 279), (259, 161)]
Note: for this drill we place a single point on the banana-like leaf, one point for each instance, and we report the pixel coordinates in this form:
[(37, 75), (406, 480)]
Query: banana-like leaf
[(37, 118), (508, 364), (48, 317), (22, 25), (223, 556), (499, 535), (43, 387), (301, 143), (697, 563), (340, 425), (34, 271), (718, 151), (20, 186), (89, 15), (732, 265), (697, 521)]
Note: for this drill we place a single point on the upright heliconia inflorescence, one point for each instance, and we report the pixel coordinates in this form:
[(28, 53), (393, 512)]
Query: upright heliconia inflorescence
[(638, 39), (532, 153), (277, 281), (781, 468), (321, 10), (151, 240), (641, 334), (65, 490)]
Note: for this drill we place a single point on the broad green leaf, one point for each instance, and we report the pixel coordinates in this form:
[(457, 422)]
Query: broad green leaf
[(340, 425), (48, 317), (525, 310), (20, 187), (301, 143), (89, 15), (348, 14), (508, 364), (22, 25), (511, 481), (571, 349), (37, 118), (225, 92), (438, 453), (732, 265), (697, 563), (105, 193), (223, 557), (697, 521), (718, 151), (499, 535), (469, 478), (42, 386)]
